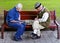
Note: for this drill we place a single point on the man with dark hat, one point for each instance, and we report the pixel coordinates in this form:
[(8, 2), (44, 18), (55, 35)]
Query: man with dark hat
[(41, 21)]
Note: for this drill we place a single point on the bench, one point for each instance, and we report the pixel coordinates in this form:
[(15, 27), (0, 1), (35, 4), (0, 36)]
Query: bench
[(29, 16)]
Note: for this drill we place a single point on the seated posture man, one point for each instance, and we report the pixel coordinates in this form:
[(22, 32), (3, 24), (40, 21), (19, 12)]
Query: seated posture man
[(41, 21), (13, 20)]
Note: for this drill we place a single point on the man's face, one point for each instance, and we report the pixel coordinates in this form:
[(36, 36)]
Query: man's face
[(18, 9), (40, 8)]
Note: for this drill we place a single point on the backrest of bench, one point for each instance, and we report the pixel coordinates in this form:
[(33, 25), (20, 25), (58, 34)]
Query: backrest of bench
[(30, 15), (5, 14)]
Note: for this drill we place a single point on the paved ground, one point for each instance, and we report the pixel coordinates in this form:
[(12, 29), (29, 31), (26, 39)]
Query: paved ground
[(46, 37)]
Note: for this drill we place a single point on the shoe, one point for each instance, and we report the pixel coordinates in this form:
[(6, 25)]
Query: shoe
[(33, 36), (38, 37), (17, 39)]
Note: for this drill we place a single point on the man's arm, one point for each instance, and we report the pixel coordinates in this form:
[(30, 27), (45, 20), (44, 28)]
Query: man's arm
[(44, 17), (11, 16)]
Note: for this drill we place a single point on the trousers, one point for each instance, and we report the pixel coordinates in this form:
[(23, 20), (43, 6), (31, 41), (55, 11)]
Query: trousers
[(37, 27), (20, 28)]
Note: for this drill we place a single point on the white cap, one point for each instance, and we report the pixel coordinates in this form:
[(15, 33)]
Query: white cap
[(19, 5)]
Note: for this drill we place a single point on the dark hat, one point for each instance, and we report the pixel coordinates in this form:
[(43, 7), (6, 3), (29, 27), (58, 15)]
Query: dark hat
[(37, 5)]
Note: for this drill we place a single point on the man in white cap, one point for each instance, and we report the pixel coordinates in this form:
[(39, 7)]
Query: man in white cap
[(41, 21), (13, 20)]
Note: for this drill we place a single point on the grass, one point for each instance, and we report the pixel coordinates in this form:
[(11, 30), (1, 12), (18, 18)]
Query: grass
[(29, 5)]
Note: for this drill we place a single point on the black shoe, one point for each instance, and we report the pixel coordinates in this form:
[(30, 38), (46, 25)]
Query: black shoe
[(38, 37), (17, 39), (33, 36)]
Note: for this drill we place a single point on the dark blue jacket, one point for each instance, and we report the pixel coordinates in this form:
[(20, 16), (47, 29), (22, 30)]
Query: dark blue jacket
[(13, 14)]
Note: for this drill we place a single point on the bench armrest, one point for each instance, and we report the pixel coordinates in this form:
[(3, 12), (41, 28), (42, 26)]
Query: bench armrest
[(57, 23)]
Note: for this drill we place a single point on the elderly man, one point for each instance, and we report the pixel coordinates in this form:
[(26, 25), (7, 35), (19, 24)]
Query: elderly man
[(41, 21), (13, 20)]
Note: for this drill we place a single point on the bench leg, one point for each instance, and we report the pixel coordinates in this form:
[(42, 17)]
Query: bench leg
[(2, 32), (58, 32)]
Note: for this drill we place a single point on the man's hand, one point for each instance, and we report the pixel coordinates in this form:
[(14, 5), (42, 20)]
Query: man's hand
[(20, 22), (14, 21), (36, 18)]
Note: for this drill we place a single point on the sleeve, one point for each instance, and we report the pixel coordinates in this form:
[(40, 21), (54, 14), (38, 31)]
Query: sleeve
[(10, 15), (44, 17)]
